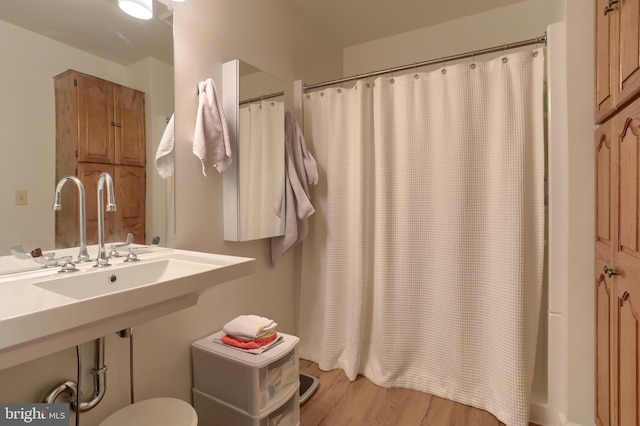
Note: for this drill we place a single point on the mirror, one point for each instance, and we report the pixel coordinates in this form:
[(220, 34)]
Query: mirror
[(112, 51), (254, 182)]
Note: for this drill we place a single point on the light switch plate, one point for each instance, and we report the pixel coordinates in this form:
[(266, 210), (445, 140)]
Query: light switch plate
[(21, 197)]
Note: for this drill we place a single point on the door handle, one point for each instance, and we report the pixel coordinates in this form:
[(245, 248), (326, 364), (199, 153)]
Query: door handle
[(609, 8), (609, 271)]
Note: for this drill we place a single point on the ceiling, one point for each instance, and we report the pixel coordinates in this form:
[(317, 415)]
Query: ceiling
[(98, 26), (357, 21)]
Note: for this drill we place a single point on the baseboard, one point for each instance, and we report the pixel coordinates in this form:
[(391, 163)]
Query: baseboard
[(562, 421), (542, 415)]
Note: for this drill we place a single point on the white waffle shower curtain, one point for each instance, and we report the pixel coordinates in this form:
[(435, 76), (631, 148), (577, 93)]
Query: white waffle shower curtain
[(262, 147), (423, 264)]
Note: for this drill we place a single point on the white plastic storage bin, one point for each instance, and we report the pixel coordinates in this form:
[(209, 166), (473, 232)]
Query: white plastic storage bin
[(254, 384), (213, 412)]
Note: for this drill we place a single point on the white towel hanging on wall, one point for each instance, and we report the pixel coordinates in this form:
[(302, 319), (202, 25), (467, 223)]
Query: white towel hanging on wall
[(211, 137), (165, 153)]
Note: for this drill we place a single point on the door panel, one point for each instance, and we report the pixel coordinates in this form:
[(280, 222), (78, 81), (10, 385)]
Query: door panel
[(628, 187), (130, 198), (95, 115), (89, 174), (604, 61), (130, 130), (628, 15)]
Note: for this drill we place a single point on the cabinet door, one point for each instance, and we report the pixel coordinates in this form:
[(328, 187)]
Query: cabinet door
[(130, 128), (627, 265), (89, 174), (604, 55), (130, 188), (627, 16), (95, 120), (604, 299)]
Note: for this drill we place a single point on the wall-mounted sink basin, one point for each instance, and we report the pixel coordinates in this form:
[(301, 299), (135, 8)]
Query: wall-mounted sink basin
[(45, 311), (86, 283)]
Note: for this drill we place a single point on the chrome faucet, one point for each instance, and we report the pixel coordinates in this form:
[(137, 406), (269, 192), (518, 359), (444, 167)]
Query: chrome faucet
[(83, 256), (103, 259)]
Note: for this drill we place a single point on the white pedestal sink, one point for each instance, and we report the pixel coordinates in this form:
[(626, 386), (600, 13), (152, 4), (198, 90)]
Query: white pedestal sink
[(45, 311)]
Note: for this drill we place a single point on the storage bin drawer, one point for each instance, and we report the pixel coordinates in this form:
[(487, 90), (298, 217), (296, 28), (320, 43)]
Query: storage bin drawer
[(254, 384), (213, 412)]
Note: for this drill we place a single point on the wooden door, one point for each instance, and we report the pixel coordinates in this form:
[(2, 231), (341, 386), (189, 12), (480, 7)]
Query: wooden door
[(626, 261), (605, 57), (604, 299), (89, 174), (626, 14), (130, 127), (130, 185), (96, 120)]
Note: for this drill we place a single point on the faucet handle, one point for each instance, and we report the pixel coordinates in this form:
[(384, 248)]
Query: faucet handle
[(132, 256), (68, 266), (48, 260), (18, 251), (114, 247)]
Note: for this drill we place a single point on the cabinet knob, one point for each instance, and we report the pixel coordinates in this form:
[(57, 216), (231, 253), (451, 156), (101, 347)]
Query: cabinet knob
[(609, 8)]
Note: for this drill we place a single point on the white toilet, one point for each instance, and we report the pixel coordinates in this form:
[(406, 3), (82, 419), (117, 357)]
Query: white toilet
[(154, 412)]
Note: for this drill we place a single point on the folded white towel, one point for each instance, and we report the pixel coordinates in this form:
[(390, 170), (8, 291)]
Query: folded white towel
[(249, 326), (211, 137), (165, 157)]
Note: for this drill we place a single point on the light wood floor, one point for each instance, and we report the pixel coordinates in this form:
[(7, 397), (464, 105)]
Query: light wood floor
[(339, 402)]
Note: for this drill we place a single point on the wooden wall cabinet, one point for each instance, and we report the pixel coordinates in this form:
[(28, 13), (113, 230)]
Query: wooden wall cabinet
[(100, 126), (617, 219), (617, 55), (617, 249)]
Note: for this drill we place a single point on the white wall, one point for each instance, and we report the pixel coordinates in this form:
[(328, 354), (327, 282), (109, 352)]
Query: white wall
[(580, 264), (155, 78), (520, 21)]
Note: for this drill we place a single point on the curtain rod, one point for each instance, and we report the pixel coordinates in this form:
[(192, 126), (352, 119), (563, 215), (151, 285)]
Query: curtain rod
[(538, 40), (261, 98)]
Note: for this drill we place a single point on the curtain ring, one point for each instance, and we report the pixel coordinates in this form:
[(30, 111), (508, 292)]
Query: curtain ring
[(473, 60)]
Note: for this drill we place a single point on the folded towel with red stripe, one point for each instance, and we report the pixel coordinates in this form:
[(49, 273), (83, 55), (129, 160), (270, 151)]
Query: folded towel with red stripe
[(249, 327)]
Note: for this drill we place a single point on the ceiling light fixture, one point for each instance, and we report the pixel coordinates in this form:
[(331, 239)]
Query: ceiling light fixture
[(141, 9)]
